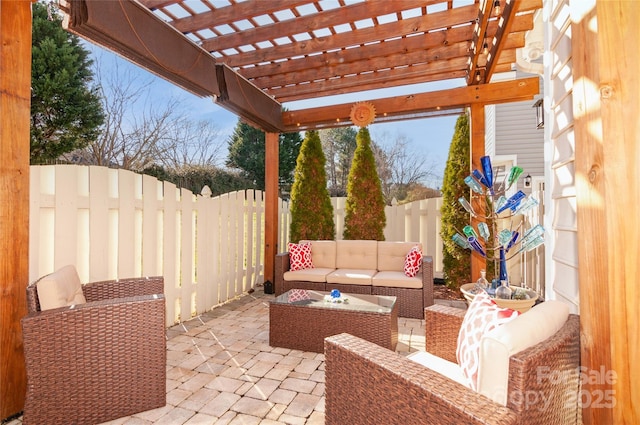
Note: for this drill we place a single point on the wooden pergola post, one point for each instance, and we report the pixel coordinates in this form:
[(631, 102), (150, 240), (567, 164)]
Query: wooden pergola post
[(271, 205), (477, 150), (592, 214), (15, 86), (606, 110)]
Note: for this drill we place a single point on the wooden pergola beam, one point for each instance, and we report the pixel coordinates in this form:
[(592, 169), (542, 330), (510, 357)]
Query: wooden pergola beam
[(429, 49), (159, 48), (151, 43), (480, 34), (244, 99), (401, 59), (401, 106), (384, 79), (303, 24), (227, 15), (380, 79), (504, 27), (448, 18), (428, 44)]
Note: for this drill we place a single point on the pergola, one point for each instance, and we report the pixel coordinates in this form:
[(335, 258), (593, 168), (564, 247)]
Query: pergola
[(252, 57)]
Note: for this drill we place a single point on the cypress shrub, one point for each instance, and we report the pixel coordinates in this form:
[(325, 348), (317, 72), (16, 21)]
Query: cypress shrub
[(311, 209), (456, 260), (364, 211)]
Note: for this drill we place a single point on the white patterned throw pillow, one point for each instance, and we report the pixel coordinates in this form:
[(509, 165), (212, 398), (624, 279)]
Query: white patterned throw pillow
[(482, 316)]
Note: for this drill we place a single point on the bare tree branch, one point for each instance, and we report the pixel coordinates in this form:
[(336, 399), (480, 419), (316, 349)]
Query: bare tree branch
[(197, 145), (140, 131), (338, 145), (400, 168)]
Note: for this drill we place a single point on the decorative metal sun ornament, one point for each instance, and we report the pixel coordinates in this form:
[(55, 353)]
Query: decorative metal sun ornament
[(363, 113)]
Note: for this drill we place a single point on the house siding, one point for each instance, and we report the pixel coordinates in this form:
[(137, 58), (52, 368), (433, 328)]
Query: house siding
[(490, 130), (516, 135), (560, 219)]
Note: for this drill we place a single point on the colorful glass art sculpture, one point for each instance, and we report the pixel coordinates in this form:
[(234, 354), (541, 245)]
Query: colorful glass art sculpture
[(500, 242)]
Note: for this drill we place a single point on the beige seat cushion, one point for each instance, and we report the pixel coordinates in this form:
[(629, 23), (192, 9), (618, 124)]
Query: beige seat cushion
[(60, 289), (497, 345), (444, 367), (351, 276), (307, 275), (391, 255), (396, 279)]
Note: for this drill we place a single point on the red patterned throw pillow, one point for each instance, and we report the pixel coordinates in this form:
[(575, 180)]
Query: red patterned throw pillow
[(412, 261), (298, 295), (482, 316), (300, 256)]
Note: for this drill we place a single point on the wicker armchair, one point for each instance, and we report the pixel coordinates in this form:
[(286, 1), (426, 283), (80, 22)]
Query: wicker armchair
[(97, 361), (367, 384)]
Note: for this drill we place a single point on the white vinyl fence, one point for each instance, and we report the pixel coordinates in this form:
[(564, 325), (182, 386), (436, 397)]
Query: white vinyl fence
[(532, 262), (114, 223)]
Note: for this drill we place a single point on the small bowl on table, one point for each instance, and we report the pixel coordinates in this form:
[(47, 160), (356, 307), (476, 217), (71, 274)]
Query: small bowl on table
[(514, 304)]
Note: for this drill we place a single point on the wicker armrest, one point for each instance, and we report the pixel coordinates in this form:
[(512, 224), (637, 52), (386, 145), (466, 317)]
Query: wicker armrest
[(427, 279), (368, 384), (537, 370), (122, 288), (108, 357), (442, 325), (282, 265)]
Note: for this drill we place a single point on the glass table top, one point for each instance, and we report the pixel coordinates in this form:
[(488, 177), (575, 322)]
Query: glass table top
[(353, 302)]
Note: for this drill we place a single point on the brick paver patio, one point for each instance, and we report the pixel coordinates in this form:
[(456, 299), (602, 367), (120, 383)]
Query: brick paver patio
[(221, 370)]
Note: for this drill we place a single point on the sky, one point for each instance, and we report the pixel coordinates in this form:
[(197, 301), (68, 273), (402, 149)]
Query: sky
[(428, 137)]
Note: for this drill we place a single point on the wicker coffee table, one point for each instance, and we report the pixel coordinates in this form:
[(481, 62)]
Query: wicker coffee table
[(303, 325)]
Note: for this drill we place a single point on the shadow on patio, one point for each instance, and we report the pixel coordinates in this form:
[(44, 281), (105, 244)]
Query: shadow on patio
[(221, 370)]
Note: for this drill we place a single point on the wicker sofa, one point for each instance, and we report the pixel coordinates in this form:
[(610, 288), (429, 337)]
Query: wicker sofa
[(361, 267), (98, 360), (368, 384)]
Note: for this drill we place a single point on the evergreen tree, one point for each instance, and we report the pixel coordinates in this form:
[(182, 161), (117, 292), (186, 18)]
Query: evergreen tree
[(247, 153), (66, 114), (311, 209), (456, 262), (364, 211)]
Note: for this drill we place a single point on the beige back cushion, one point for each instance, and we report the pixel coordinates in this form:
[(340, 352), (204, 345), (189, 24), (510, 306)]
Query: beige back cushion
[(391, 255), (323, 254), (60, 288), (358, 254), (526, 330)]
